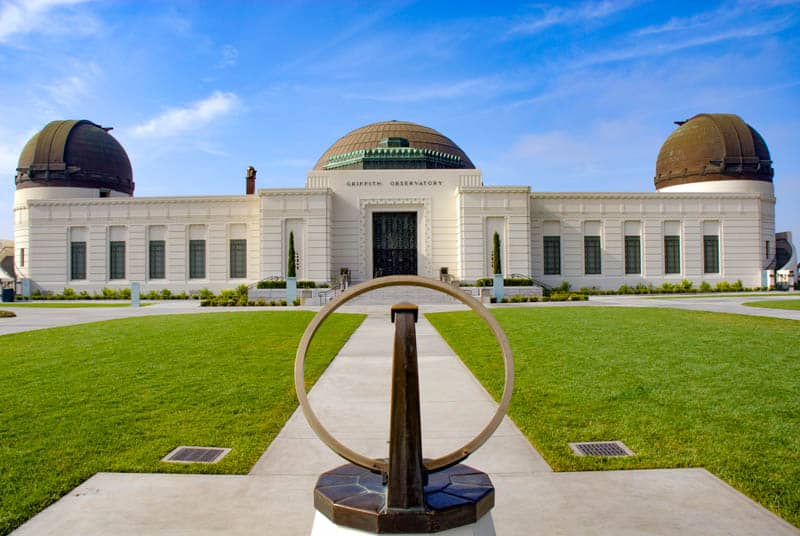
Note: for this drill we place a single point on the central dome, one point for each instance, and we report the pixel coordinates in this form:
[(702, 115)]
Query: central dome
[(394, 145)]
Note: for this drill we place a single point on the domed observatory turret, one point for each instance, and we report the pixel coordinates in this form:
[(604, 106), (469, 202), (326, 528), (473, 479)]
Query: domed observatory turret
[(67, 159), (714, 153), (73, 159)]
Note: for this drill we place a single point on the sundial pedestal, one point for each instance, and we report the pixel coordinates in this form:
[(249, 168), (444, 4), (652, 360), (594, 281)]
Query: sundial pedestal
[(404, 494)]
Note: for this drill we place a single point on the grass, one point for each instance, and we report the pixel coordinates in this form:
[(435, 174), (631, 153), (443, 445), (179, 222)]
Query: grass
[(775, 304), (681, 388), (119, 395), (717, 295), (69, 304)]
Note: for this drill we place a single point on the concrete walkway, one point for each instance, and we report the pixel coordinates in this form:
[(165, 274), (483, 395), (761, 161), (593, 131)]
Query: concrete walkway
[(352, 398)]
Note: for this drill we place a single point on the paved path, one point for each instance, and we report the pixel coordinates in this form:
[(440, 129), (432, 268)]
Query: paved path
[(351, 398)]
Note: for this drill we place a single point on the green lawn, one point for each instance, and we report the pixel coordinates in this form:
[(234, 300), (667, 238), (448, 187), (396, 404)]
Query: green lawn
[(121, 394), (681, 388), (775, 304), (69, 304)]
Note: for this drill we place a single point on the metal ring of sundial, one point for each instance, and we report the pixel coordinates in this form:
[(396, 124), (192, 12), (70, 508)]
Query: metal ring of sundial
[(377, 465)]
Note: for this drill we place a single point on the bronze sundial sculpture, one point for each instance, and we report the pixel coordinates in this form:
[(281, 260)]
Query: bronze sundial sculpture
[(404, 493)]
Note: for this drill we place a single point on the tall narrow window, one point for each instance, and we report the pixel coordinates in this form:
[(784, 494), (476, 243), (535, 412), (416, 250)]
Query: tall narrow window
[(672, 254), (711, 254), (116, 269), (591, 254), (552, 255), (197, 259), (766, 250), (633, 255), (77, 260), (22, 256), (157, 259), (238, 255)]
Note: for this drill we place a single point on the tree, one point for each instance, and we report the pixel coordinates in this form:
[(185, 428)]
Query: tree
[(291, 270), (496, 254)]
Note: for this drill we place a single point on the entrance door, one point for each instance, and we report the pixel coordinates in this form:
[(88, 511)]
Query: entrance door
[(394, 243)]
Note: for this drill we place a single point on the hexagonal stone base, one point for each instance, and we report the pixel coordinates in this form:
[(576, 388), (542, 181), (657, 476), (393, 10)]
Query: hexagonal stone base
[(354, 497)]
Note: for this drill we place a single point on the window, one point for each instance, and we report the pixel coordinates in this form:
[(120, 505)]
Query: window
[(766, 251), (197, 259), (77, 260), (591, 254), (711, 254), (552, 255), (22, 256), (238, 256), (117, 257), (672, 254), (633, 255), (157, 259)]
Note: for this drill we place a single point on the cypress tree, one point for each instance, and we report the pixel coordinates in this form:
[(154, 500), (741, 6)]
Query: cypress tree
[(496, 254), (291, 269)]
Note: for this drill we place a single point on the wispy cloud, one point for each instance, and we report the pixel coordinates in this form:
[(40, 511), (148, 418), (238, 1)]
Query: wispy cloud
[(73, 88), (196, 114), (667, 46), (26, 16), (556, 16), (229, 54), (482, 86)]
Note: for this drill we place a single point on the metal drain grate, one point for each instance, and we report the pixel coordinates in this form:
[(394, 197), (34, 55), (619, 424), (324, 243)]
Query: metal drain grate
[(601, 448), (196, 455)]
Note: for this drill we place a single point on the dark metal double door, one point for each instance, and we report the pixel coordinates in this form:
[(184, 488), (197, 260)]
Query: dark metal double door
[(394, 243)]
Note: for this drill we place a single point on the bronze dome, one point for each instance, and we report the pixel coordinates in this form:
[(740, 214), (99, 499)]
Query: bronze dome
[(711, 147), (78, 154), (394, 145)]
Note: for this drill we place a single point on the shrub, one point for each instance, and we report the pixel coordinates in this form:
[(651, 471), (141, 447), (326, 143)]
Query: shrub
[(484, 282), (705, 287), (206, 294), (306, 284), (69, 293), (166, 294), (283, 302), (241, 290), (518, 282), (182, 296), (296, 302), (271, 283)]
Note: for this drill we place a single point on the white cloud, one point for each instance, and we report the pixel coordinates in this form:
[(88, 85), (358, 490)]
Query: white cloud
[(26, 16), (554, 16), (177, 120)]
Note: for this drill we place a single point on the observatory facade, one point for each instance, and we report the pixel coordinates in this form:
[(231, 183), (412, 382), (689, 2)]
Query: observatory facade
[(395, 198)]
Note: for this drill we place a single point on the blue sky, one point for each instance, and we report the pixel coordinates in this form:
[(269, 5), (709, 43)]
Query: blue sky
[(561, 97)]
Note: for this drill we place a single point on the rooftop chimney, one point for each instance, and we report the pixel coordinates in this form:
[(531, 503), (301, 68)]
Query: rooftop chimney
[(251, 181)]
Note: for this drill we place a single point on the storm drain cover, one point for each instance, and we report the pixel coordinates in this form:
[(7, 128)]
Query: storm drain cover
[(196, 455), (601, 448)]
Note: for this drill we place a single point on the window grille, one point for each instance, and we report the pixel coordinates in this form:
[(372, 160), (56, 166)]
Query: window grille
[(672, 254), (633, 255), (238, 258), (711, 254), (77, 257), (197, 259), (552, 255), (157, 259), (591, 255), (117, 260)]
